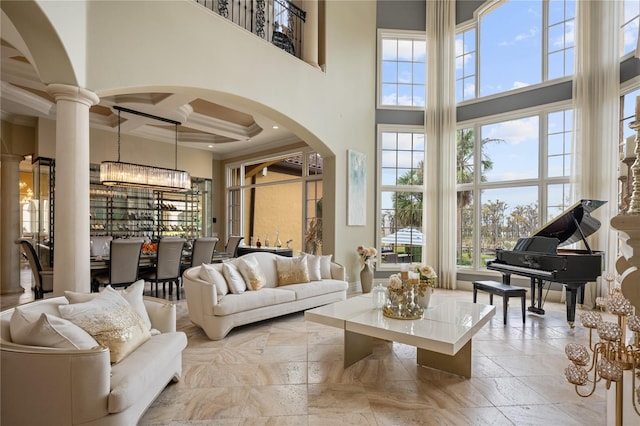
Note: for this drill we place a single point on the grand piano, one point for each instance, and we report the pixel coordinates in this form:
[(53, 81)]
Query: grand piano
[(539, 258)]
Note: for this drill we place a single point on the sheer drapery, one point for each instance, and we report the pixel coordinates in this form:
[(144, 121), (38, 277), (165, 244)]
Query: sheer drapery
[(440, 125), (596, 94)]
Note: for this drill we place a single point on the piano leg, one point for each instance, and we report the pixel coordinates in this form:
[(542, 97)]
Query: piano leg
[(574, 292), (571, 304), (533, 308)]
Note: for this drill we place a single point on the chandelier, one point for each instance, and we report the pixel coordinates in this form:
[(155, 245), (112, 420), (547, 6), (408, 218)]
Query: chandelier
[(118, 173)]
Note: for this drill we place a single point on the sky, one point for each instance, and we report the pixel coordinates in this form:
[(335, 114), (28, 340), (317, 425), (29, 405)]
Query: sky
[(510, 58), (510, 46)]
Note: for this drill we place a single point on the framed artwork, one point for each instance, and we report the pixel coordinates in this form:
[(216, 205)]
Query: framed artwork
[(356, 188)]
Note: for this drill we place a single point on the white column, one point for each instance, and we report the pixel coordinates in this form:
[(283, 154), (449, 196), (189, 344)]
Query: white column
[(10, 224), (71, 206), (310, 33)]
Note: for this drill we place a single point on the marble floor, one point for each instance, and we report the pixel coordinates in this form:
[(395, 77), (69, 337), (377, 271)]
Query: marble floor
[(288, 371)]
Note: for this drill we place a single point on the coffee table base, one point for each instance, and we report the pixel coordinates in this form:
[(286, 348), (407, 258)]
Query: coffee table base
[(358, 346), (459, 364)]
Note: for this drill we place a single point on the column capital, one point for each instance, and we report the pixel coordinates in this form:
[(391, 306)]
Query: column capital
[(11, 157), (72, 93)]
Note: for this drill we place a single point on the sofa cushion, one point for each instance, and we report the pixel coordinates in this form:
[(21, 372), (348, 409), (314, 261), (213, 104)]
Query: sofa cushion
[(234, 279), (251, 272), (43, 329), (292, 270), (317, 288), (111, 321), (325, 265), (213, 275), (132, 294), (131, 377), (233, 303)]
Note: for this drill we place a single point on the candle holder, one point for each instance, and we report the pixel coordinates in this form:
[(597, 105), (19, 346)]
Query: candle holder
[(402, 298), (612, 355)]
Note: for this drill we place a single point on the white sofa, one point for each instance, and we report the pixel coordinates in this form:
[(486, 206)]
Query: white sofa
[(50, 386), (218, 315)]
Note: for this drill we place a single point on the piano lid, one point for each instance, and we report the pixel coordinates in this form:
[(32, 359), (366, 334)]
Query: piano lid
[(574, 224)]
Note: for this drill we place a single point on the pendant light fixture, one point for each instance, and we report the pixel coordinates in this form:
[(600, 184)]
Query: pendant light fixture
[(117, 173)]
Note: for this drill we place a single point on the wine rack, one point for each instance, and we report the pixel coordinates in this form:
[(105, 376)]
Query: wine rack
[(133, 212)]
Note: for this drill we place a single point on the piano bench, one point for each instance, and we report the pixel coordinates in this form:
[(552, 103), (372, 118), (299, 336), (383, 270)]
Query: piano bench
[(504, 290)]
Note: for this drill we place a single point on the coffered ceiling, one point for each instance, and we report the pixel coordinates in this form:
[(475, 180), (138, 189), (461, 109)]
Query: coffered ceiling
[(205, 124)]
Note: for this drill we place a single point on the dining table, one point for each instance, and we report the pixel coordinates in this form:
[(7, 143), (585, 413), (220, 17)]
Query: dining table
[(100, 264)]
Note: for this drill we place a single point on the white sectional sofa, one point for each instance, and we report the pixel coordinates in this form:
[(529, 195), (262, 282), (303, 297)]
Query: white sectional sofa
[(61, 386), (216, 307)]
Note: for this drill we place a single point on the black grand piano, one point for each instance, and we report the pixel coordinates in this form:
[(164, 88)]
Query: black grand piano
[(539, 258)]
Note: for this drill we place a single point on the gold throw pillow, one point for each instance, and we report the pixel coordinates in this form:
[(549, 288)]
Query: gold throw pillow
[(292, 270), (111, 321)]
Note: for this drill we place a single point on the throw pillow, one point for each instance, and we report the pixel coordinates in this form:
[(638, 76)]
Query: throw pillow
[(292, 270), (313, 263), (251, 272), (133, 294), (111, 321), (234, 279), (42, 329), (212, 275), (324, 264)]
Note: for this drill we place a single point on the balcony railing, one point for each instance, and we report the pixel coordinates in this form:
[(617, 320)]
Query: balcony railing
[(278, 21)]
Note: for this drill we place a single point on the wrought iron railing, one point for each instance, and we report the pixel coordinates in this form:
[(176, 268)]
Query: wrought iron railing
[(278, 21)]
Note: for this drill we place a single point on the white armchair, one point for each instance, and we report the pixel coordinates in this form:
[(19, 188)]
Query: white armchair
[(49, 386)]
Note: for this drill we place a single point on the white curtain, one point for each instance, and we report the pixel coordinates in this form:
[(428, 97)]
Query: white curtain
[(596, 96), (440, 125)]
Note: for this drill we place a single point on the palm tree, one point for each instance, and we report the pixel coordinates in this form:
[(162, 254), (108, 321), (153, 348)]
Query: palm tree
[(408, 205), (465, 174), (465, 162)]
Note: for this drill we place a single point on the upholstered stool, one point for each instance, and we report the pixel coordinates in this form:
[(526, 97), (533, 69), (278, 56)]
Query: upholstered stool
[(504, 290)]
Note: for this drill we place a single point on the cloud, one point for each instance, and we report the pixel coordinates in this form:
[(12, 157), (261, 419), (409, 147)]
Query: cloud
[(567, 38), (519, 84), (630, 34), (461, 59), (469, 91), (393, 99), (514, 131), (533, 31)]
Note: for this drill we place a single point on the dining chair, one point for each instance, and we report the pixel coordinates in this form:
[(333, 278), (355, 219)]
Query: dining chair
[(124, 260), (100, 245), (167, 266), (42, 277), (231, 248), (202, 250)]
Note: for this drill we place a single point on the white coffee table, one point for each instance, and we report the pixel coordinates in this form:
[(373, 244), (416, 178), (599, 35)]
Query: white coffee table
[(442, 336)]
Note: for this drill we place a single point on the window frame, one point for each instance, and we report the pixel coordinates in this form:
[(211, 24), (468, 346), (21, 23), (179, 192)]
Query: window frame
[(380, 188), (235, 186), (541, 182), (397, 34)]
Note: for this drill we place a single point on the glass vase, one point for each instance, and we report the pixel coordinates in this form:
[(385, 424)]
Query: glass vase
[(379, 296)]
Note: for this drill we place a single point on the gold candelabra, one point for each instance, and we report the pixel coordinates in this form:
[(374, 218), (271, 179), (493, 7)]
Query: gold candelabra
[(612, 354), (601, 302)]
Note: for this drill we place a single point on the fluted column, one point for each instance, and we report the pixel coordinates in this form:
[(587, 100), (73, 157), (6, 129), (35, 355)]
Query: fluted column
[(10, 224), (72, 267)]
